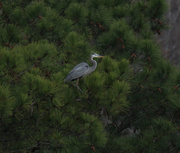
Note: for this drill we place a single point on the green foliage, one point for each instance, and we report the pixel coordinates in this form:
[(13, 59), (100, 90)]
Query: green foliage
[(17, 16), (7, 101), (119, 11), (103, 16), (119, 38), (129, 104), (64, 27), (34, 9), (77, 12), (76, 43), (12, 34), (157, 8)]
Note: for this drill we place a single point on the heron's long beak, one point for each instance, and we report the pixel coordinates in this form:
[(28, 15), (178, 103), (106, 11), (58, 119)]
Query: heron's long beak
[(100, 56)]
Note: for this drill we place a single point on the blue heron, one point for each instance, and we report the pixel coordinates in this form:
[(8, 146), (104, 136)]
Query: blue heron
[(81, 70)]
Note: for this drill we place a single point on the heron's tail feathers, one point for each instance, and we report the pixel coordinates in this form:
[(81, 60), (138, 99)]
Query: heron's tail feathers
[(67, 79)]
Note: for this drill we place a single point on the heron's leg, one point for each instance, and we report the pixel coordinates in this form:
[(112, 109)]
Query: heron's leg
[(77, 82), (78, 85)]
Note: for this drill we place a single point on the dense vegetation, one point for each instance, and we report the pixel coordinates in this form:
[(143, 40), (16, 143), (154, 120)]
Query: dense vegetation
[(131, 103)]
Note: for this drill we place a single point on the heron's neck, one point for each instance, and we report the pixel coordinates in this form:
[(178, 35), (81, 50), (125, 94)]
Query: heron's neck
[(94, 64)]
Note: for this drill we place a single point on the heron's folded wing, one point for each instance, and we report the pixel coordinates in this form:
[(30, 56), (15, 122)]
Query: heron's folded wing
[(77, 72)]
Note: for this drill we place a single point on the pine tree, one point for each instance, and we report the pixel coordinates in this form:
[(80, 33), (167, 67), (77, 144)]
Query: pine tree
[(131, 103)]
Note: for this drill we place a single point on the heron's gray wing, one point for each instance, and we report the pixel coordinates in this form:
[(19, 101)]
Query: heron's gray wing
[(77, 72)]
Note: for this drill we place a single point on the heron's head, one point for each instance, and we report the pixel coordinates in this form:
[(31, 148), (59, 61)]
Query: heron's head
[(96, 55)]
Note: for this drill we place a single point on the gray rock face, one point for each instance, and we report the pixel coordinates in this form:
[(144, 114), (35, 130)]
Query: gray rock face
[(170, 39)]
